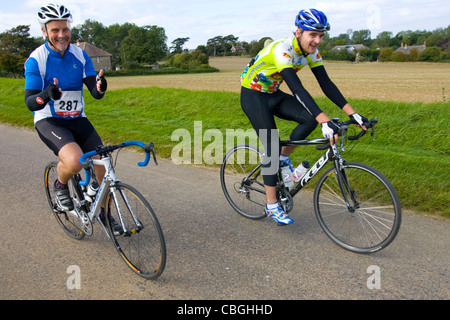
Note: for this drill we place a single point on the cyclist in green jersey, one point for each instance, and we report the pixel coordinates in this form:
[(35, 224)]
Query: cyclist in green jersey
[(262, 99)]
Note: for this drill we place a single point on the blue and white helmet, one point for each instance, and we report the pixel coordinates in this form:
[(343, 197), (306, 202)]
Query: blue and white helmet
[(312, 19), (53, 12)]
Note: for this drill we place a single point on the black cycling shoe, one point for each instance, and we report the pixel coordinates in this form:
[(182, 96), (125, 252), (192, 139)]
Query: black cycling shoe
[(63, 199), (118, 230)]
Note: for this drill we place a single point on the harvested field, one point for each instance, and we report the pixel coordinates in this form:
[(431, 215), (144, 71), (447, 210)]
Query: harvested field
[(405, 82)]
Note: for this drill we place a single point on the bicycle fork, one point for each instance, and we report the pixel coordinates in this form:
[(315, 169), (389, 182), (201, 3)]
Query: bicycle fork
[(139, 226), (344, 185)]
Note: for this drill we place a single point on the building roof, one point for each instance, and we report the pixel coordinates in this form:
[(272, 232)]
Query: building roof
[(92, 50), (407, 49), (350, 47)]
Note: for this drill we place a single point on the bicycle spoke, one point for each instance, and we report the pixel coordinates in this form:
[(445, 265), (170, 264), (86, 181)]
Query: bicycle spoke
[(374, 220), (142, 244), (71, 224), (241, 181)]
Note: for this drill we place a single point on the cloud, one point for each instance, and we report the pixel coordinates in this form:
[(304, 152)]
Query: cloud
[(201, 20)]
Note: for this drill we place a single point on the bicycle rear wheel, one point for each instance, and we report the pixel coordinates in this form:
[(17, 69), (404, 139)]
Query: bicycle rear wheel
[(69, 222), (373, 219), (142, 245), (242, 182)]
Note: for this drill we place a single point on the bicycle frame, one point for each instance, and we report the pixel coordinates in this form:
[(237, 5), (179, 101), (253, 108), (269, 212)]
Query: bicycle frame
[(87, 215), (327, 157), (108, 182), (331, 154)]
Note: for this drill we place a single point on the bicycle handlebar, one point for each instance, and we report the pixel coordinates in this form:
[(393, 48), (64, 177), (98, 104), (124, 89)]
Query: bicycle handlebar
[(369, 125), (343, 127), (103, 150)]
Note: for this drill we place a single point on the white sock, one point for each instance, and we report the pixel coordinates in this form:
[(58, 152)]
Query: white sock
[(271, 206)]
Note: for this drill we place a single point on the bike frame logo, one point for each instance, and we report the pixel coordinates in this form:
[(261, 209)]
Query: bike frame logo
[(191, 150)]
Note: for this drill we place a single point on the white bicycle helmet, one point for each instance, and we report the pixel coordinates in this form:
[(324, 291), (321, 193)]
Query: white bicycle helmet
[(53, 12)]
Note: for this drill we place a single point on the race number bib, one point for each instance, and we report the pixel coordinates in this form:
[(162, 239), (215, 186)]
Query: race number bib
[(70, 105)]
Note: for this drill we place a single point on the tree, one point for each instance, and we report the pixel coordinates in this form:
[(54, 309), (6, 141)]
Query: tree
[(385, 54), (257, 46), (91, 31), (15, 47), (177, 44), (430, 54), (221, 45), (116, 34), (362, 37), (213, 44), (145, 44), (382, 40)]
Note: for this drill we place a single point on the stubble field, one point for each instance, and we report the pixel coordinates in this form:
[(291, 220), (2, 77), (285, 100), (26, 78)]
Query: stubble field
[(403, 82)]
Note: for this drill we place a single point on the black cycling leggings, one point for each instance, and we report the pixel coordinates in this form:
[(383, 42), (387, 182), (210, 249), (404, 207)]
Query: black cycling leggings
[(260, 109)]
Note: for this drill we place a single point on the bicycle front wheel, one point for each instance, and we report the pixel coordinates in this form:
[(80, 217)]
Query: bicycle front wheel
[(141, 245), (68, 221), (365, 217), (242, 182)]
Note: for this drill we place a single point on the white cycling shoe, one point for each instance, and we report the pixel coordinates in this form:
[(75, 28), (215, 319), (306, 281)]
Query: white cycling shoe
[(279, 216)]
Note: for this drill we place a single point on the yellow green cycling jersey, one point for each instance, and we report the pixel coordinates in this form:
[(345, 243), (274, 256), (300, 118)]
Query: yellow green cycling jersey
[(263, 72)]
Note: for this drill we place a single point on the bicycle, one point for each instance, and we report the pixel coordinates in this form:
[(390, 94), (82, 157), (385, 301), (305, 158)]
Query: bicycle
[(141, 242), (356, 206)]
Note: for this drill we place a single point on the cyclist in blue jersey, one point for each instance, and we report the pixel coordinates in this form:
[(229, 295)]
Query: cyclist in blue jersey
[(261, 98), (55, 74)]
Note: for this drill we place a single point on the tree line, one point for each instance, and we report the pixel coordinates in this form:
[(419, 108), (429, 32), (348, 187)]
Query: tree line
[(427, 46), (382, 48), (134, 46)]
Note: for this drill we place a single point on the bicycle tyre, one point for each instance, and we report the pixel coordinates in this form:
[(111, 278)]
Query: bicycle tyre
[(70, 223), (373, 224), (142, 249), (244, 192)]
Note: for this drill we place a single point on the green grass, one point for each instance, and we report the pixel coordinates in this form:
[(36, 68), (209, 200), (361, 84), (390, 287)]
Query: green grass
[(412, 144)]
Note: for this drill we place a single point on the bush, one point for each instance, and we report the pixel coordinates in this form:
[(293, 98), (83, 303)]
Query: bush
[(431, 54), (385, 54), (190, 62), (399, 57), (342, 55)]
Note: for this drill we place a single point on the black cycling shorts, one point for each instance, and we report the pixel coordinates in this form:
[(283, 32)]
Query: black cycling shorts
[(261, 108), (56, 133)]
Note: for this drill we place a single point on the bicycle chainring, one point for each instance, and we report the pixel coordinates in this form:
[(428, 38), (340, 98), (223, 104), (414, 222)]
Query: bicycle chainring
[(285, 199)]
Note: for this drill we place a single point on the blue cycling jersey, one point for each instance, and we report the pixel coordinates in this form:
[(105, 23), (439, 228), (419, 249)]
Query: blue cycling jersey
[(44, 64)]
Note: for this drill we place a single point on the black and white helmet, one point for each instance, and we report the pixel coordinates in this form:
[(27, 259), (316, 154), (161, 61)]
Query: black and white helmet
[(53, 12)]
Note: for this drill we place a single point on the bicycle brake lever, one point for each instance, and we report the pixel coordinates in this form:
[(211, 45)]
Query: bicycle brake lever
[(342, 143), (154, 156), (150, 149), (373, 122)]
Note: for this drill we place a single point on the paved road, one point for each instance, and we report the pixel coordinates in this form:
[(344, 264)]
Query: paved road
[(213, 253)]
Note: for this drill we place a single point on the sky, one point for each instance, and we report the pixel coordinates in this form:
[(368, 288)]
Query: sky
[(201, 20)]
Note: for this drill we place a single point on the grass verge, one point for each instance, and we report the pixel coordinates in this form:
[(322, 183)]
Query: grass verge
[(412, 145)]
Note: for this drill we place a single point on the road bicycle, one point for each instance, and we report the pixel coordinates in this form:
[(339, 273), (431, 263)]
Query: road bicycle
[(141, 242), (356, 206)]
